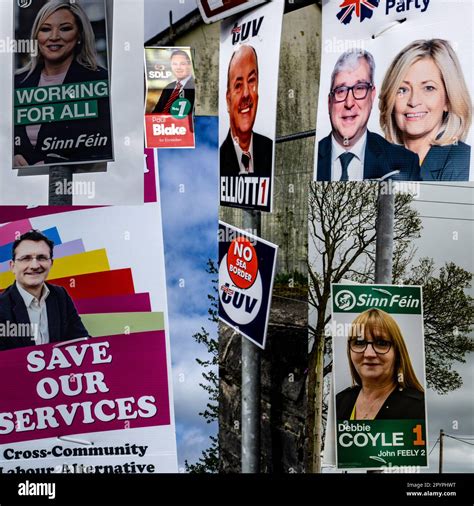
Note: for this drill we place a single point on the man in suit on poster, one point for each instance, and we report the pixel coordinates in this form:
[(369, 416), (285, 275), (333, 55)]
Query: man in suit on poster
[(350, 152), (46, 310), (244, 152), (183, 87)]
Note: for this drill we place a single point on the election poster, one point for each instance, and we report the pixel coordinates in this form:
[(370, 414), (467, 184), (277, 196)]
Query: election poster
[(169, 113), (396, 91), (379, 377), (213, 10), (96, 395), (61, 105), (246, 272), (248, 85)]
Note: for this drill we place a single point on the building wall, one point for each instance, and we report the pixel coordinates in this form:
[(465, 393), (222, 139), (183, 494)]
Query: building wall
[(283, 397), (297, 99)]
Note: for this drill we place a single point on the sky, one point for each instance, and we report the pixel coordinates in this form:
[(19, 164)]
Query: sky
[(188, 185), (447, 218), (448, 235)]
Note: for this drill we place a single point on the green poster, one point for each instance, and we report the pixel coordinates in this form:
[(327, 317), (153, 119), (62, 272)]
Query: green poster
[(379, 376)]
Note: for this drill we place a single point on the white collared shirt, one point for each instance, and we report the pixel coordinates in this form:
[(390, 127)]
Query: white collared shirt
[(183, 81), (355, 169), (239, 153), (37, 313)]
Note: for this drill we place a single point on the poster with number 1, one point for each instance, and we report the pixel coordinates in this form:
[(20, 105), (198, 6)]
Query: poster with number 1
[(379, 376)]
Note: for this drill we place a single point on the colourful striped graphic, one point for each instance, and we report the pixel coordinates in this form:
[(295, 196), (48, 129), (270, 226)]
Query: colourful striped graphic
[(99, 284), (138, 302), (6, 250), (60, 251), (9, 232), (105, 298), (115, 324), (74, 265)]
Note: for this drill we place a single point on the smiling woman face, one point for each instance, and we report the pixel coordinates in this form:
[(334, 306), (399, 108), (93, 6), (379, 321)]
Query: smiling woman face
[(374, 367), (58, 37), (421, 101)]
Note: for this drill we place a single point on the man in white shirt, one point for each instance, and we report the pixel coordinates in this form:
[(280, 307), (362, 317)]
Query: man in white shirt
[(47, 309), (350, 152), (244, 152)]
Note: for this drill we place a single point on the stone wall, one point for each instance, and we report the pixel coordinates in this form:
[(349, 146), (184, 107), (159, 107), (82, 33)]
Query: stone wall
[(283, 401)]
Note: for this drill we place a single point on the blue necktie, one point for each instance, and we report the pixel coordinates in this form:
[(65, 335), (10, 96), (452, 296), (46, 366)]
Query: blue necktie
[(345, 161)]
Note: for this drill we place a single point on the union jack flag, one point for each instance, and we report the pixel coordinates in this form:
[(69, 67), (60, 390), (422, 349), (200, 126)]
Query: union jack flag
[(363, 9)]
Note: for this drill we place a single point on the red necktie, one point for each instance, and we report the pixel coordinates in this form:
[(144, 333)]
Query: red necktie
[(246, 160), (173, 97)]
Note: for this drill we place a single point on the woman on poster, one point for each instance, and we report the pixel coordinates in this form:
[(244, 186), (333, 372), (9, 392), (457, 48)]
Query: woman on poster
[(425, 105), (385, 385), (66, 54)]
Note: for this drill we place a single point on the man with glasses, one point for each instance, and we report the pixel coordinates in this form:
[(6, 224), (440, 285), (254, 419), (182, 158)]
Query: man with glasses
[(47, 309), (351, 152)]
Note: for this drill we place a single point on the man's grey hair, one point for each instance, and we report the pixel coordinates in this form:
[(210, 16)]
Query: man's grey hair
[(350, 61)]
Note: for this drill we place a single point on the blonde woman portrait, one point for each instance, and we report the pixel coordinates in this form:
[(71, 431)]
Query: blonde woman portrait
[(425, 105), (385, 385), (66, 55)]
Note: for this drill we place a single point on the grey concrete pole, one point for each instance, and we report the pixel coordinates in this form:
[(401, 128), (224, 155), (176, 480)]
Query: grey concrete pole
[(384, 229), (384, 241), (250, 382), (59, 178)]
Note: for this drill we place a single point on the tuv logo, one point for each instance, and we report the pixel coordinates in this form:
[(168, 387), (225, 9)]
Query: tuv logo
[(241, 33), (238, 299), (363, 9)]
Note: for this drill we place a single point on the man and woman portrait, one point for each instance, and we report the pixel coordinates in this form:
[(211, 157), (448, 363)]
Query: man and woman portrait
[(425, 116)]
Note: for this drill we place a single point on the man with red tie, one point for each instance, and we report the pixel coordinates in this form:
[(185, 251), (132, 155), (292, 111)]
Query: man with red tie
[(183, 87)]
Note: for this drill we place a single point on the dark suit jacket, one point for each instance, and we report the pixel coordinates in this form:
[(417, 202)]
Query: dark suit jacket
[(262, 156), (187, 92), (64, 323), (65, 130), (399, 405), (381, 158), (447, 163)]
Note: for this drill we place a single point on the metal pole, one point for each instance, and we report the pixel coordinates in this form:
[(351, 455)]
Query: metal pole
[(251, 382), (384, 240), (384, 230), (60, 180), (441, 435)]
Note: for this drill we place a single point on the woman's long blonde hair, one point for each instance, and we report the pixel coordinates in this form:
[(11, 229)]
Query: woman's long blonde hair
[(457, 120), (86, 53)]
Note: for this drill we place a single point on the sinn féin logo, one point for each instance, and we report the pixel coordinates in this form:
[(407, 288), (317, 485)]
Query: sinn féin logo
[(363, 9), (345, 300)]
